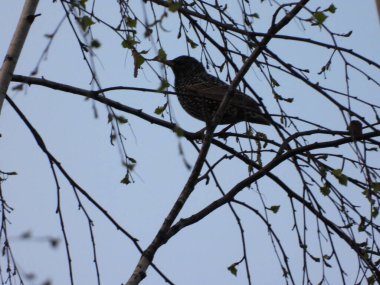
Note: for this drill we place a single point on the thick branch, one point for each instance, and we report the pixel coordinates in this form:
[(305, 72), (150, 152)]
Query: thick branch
[(160, 239), (266, 171), (15, 47)]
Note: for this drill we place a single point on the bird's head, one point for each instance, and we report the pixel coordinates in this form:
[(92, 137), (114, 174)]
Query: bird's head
[(183, 65)]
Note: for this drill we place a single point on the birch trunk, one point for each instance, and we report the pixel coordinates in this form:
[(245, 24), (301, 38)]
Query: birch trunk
[(15, 47)]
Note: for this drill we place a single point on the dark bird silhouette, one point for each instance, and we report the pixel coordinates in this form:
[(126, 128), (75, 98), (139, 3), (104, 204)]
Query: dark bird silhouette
[(200, 94)]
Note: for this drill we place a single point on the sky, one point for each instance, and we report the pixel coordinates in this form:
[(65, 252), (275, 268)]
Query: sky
[(200, 254)]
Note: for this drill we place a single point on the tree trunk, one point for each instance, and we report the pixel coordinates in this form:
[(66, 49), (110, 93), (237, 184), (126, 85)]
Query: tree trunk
[(15, 47)]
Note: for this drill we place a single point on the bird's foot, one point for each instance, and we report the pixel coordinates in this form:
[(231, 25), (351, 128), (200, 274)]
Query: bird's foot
[(199, 135), (222, 134)]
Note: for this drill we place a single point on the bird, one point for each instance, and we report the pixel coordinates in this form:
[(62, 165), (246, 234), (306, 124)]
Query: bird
[(200, 94)]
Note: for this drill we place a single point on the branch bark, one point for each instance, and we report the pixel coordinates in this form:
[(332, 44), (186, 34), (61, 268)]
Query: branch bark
[(161, 237), (14, 50)]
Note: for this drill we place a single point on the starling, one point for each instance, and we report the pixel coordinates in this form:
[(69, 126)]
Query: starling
[(200, 94)]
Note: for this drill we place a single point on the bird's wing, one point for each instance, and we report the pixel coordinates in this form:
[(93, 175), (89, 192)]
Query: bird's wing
[(216, 92)]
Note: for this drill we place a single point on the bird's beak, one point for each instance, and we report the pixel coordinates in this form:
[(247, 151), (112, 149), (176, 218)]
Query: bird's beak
[(167, 62)]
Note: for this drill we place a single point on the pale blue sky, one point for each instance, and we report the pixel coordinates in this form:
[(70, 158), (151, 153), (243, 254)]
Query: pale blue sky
[(199, 254)]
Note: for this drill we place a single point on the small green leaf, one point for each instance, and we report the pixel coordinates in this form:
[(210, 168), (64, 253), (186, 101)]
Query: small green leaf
[(371, 280), (232, 268), (179, 131), (112, 138), (110, 118), (316, 259), (274, 82), (347, 35), (376, 187), (375, 212), (319, 18), (131, 166), (138, 61), (337, 172), (129, 43), (161, 55), (255, 15), (275, 208), (323, 171), (132, 23), (122, 120), (325, 190), (331, 9), (164, 85), (327, 257), (160, 109), (174, 6), (131, 159), (125, 180), (289, 100), (191, 42), (278, 97), (95, 43), (285, 272), (342, 179), (83, 3), (148, 32), (362, 226), (86, 22)]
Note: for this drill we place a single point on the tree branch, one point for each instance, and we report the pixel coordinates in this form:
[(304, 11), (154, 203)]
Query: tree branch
[(161, 237)]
